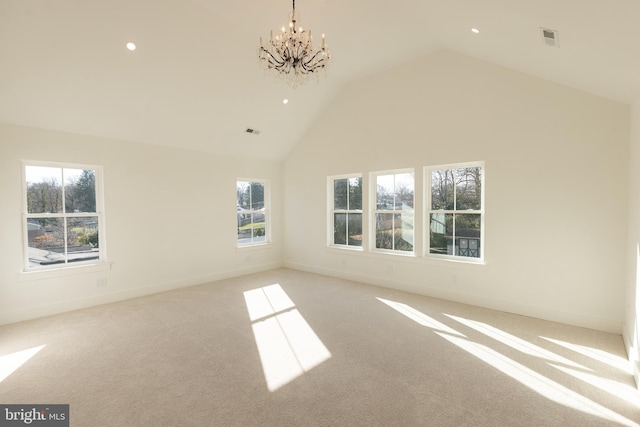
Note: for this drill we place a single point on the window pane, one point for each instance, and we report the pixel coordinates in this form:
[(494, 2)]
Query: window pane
[(384, 231), (468, 188), (44, 189), (257, 196), (340, 229), (403, 233), (442, 189), (244, 228), (340, 192), (242, 193), (440, 233), (355, 193), (46, 241), (258, 227), (82, 238), (79, 190), (355, 229), (385, 192), (251, 215), (468, 235), (404, 189)]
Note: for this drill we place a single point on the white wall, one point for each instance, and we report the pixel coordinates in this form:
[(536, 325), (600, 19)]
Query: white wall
[(632, 308), (556, 186), (170, 220)]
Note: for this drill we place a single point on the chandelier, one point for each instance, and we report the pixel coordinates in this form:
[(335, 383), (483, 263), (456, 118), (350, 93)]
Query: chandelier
[(292, 55)]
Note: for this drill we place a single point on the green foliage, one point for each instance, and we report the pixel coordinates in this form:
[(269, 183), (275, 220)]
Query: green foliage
[(84, 236), (92, 238), (251, 226), (44, 197), (81, 193)]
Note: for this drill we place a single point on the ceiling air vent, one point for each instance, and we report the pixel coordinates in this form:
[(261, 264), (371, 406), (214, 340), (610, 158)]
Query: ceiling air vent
[(550, 37), (253, 131)]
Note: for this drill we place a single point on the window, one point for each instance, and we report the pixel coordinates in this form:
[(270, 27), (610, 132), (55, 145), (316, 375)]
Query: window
[(63, 219), (252, 212), (394, 210), (456, 210), (345, 216)]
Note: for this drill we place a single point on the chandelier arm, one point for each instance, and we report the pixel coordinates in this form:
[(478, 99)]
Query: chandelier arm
[(268, 55), (272, 59), (313, 58)]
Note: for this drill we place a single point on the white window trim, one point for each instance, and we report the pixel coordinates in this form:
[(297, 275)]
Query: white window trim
[(427, 213), (58, 269), (331, 211), (267, 213), (373, 187), (53, 273)]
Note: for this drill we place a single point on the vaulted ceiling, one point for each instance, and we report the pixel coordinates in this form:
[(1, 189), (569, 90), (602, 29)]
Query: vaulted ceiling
[(194, 80)]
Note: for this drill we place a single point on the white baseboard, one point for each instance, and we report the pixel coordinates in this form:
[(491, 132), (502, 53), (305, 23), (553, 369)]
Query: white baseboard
[(76, 304), (569, 318)]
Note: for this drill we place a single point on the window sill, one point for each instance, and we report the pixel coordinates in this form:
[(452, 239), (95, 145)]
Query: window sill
[(51, 273), (383, 252), (459, 260), (346, 248), (253, 246)]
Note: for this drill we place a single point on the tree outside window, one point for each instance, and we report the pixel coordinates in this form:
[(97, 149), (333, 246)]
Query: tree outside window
[(456, 210), (346, 211), (394, 211), (63, 219)]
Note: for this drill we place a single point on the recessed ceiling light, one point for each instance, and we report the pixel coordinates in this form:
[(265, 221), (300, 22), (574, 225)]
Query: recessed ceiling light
[(285, 101), (131, 46), (475, 30)]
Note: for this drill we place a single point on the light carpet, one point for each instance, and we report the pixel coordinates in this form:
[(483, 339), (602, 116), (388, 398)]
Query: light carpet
[(288, 348)]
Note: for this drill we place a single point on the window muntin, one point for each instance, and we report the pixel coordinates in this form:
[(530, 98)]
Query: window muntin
[(346, 211), (393, 213), (252, 212), (63, 219), (456, 210)]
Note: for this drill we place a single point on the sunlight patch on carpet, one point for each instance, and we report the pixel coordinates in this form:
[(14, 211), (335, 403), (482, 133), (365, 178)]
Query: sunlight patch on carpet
[(287, 345), (596, 354), (615, 388), (517, 343), (537, 382), (11, 362), (528, 377), (418, 316), (266, 301)]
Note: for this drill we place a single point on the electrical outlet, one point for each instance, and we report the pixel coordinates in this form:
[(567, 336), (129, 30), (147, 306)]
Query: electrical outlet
[(101, 283)]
